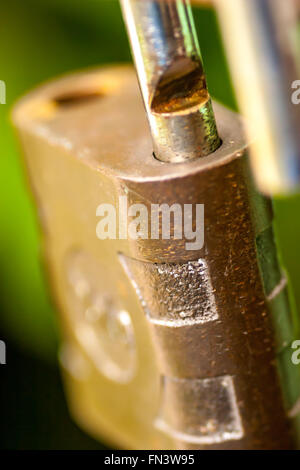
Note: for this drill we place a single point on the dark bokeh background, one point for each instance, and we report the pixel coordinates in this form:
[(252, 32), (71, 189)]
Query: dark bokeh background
[(40, 39)]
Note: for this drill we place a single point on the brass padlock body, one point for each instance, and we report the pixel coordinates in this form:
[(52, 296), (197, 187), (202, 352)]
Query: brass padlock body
[(139, 374)]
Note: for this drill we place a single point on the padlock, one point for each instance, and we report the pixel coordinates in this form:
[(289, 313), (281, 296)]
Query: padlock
[(168, 342)]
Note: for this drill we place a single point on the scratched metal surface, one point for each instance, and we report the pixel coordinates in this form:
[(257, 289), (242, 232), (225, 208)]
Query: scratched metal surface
[(239, 342)]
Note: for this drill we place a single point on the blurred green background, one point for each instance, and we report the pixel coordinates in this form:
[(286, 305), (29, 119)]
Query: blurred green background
[(40, 39)]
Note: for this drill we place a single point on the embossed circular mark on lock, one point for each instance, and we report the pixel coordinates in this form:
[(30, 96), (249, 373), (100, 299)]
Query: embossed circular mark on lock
[(73, 361), (102, 327)]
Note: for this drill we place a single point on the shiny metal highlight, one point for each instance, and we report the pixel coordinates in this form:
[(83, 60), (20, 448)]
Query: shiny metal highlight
[(172, 80), (262, 41)]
